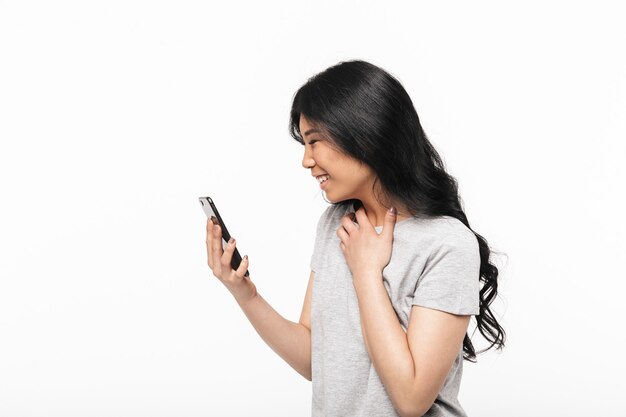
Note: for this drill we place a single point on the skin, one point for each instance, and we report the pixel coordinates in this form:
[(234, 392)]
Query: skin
[(412, 364), (349, 178)]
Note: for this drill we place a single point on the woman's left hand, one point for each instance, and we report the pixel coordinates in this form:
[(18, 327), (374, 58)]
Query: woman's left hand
[(365, 250)]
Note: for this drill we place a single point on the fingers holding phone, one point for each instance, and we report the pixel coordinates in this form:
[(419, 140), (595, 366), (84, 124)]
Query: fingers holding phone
[(210, 225), (210, 209), (220, 257), (220, 262)]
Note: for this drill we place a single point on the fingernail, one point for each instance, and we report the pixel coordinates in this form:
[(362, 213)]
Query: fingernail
[(231, 240), (393, 210), (245, 257)]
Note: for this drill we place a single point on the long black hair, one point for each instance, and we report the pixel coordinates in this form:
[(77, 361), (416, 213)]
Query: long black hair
[(368, 115)]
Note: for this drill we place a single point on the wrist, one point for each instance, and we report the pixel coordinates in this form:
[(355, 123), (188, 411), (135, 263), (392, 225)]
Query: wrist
[(367, 278), (244, 293)]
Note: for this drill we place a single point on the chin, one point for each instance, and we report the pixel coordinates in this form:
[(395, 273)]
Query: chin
[(332, 198)]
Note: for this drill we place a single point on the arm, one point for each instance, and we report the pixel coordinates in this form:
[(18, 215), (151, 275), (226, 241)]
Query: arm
[(412, 366), (291, 341)]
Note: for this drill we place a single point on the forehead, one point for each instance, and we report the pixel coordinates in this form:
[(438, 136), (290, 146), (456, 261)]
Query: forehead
[(309, 127), (305, 124)]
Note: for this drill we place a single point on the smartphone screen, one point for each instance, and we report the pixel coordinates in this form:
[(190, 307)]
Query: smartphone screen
[(211, 211)]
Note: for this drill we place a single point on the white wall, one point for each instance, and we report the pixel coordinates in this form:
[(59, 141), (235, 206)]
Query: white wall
[(115, 116)]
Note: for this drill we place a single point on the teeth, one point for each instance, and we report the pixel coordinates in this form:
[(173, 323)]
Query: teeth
[(322, 178)]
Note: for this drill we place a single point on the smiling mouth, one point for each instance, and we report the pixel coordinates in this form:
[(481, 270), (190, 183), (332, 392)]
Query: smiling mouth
[(323, 178)]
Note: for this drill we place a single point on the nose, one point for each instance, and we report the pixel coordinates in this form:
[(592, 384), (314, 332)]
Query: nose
[(307, 160)]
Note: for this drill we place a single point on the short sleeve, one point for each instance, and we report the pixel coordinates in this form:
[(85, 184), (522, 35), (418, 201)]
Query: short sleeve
[(450, 280), (317, 246)]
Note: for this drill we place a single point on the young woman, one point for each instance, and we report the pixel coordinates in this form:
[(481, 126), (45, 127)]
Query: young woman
[(396, 269)]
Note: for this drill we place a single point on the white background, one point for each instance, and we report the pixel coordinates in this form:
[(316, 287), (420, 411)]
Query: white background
[(115, 116)]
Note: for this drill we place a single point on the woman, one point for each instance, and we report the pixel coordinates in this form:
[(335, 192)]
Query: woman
[(395, 270)]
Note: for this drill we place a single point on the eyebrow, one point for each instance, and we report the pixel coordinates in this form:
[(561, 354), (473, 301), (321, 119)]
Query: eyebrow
[(312, 131)]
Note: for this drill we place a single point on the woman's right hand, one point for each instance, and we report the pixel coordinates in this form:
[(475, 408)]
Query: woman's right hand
[(241, 287)]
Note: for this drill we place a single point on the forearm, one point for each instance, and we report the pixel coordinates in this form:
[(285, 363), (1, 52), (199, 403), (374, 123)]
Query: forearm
[(386, 341), (291, 341)]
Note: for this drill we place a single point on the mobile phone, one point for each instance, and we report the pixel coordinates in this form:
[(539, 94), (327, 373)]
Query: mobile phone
[(211, 211)]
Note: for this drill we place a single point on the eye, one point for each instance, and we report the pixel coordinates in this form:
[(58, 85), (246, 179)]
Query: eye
[(312, 142)]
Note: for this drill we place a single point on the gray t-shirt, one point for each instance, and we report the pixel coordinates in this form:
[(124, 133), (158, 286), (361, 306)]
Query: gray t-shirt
[(434, 263)]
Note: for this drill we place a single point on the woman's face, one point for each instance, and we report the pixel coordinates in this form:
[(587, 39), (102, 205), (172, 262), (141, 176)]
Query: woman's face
[(347, 178)]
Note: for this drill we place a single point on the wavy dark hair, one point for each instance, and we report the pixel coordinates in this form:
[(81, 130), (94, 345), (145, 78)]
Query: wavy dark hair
[(368, 115)]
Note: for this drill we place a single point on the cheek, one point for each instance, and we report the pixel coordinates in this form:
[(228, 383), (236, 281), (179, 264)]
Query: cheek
[(326, 159)]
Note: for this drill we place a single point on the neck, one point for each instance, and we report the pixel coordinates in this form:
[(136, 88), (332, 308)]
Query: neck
[(376, 213)]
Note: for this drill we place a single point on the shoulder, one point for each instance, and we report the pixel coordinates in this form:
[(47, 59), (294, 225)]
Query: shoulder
[(457, 232), (439, 235), (455, 239), (440, 229)]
